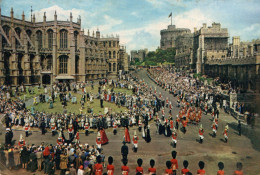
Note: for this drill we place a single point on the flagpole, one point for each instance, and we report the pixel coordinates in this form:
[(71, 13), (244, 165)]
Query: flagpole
[(171, 19)]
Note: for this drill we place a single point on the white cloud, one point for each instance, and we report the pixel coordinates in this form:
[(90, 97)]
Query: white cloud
[(191, 19), (109, 23), (62, 14)]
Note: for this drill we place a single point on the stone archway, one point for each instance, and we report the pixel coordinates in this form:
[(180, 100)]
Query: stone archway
[(46, 79)]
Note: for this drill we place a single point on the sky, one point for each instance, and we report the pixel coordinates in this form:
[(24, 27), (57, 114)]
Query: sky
[(138, 22)]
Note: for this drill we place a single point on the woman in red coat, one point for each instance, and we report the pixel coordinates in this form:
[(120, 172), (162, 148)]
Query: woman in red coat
[(127, 135)]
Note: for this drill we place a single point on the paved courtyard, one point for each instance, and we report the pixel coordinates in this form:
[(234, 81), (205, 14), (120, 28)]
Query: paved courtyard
[(213, 150)]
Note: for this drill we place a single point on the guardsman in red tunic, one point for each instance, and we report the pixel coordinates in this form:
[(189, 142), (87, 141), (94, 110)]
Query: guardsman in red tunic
[(77, 137), (152, 170), (225, 134), (26, 129), (86, 126), (135, 142), (114, 127), (201, 131), (98, 142), (125, 169), (70, 131), (21, 142), (98, 167), (167, 102), (168, 171), (239, 170), (184, 124), (171, 124), (53, 129), (174, 138), (214, 129), (139, 168), (110, 166), (60, 140)]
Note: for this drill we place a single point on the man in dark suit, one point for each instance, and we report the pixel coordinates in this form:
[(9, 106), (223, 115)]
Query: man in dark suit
[(124, 151)]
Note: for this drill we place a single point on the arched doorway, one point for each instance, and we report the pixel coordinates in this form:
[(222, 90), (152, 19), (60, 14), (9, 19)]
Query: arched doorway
[(46, 79)]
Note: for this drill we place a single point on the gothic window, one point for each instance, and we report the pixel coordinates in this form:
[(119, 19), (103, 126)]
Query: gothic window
[(18, 32), (77, 65), (114, 67), (63, 39), (114, 44), (50, 38), (114, 54), (29, 33), (39, 38), (6, 30), (109, 43), (63, 67), (109, 54), (109, 67)]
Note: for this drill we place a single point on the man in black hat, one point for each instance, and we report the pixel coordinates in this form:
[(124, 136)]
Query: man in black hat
[(124, 151)]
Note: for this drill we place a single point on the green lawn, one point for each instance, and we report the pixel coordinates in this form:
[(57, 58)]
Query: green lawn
[(122, 90), (27, 95), (75, 108)]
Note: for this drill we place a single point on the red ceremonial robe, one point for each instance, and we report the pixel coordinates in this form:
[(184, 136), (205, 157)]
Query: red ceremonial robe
[(127, 136), (103, 136)]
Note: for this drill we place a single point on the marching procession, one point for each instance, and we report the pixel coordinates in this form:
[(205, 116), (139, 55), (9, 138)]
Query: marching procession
[(146, 107)]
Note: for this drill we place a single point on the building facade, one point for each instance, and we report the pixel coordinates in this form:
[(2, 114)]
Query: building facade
[(207, 51), (169, 36), (209, 42), (240, 65), (140, 54), (48, 51), (184, 52)]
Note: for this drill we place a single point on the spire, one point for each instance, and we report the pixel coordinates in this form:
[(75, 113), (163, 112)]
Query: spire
[(31, 13), (12, 13), (33, 18), (23, 17), (70, 16), (88, 32), (44, 17), (55, 17)]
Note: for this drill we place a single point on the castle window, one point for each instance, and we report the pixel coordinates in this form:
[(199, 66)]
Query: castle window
[(6, 30), (63, 67), (29, 33), (114, 54), (39, 38), (114, 67), (18, 32), (50, 38), (63, 39), (109, 67)]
